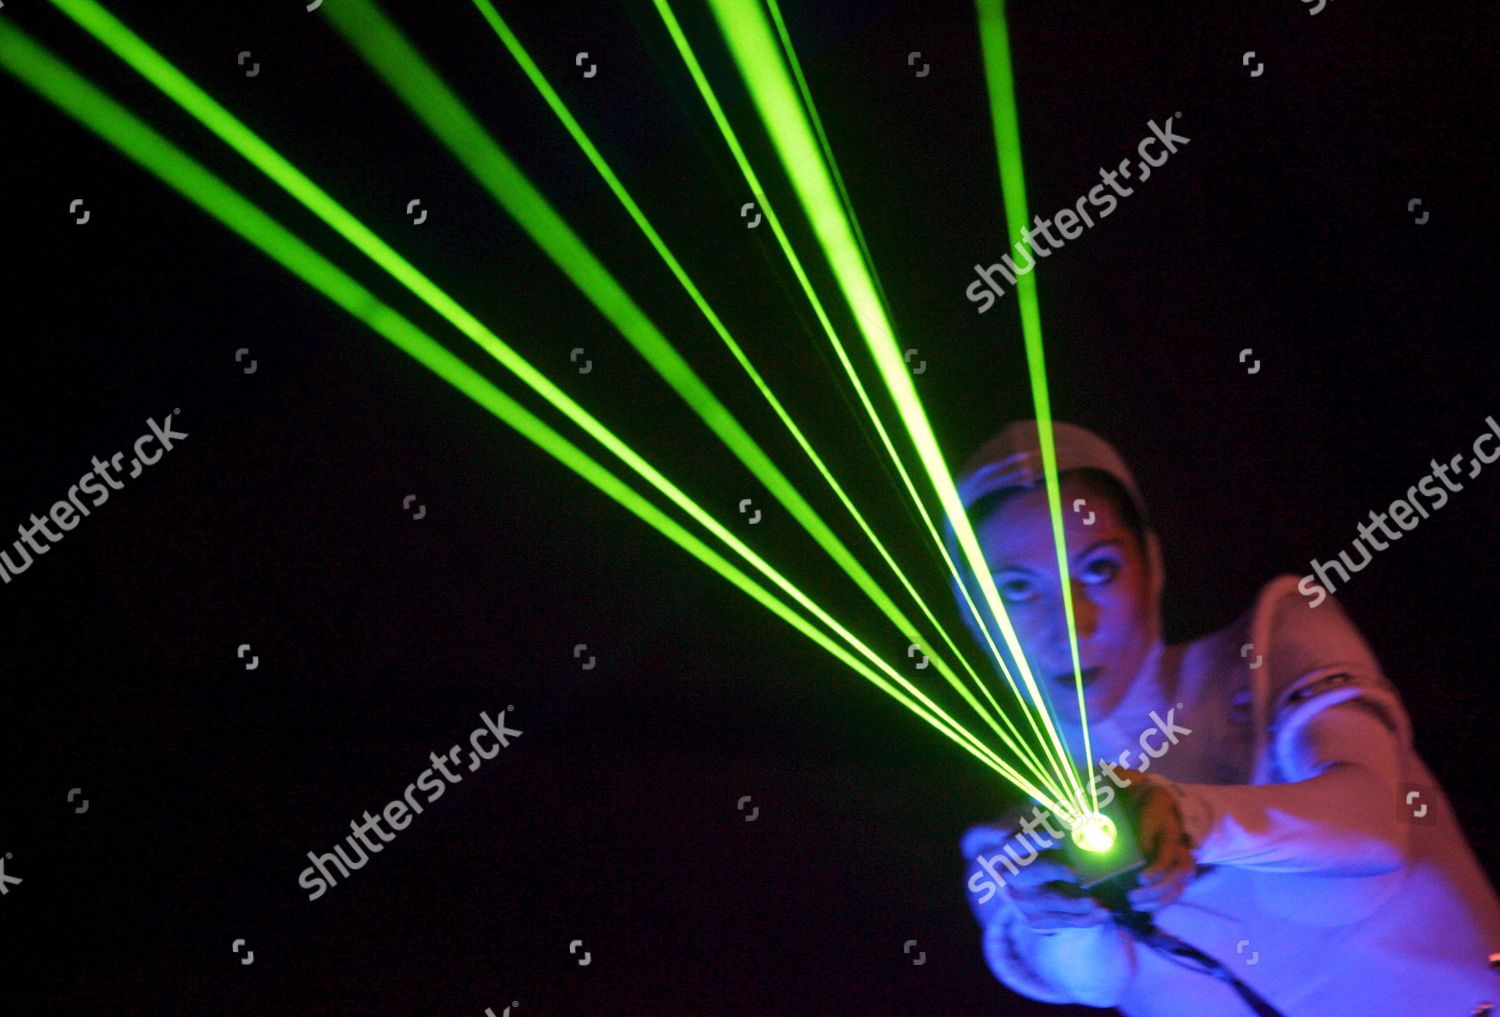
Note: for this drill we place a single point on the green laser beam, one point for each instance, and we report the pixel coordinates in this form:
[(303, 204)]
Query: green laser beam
[(146, 61), (52, 79), (748, 34), (790, 52), (994, 36), (1056, 758), (411, 77), (575, 129)]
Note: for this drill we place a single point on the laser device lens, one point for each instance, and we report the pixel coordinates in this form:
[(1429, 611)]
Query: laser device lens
[(1094, 832)]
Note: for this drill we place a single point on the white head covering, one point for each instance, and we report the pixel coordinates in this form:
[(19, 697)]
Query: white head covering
[(1013, 458)]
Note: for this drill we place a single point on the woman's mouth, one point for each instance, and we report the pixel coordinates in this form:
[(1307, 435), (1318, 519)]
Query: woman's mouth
[(1089, 675)]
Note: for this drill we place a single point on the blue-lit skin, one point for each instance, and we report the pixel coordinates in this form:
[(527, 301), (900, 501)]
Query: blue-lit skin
[(1112, 586)]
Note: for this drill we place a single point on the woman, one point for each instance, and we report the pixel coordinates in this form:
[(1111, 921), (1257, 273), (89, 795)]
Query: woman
[(1291, 830)]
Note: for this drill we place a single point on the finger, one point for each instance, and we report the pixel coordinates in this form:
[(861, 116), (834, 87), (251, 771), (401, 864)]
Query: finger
[(1165, 859), (1168, 886), (1044, 870), (1174, 858), (1162, 833), (1180, 868), (1049, 920), (1148, 815), (1160, 898), (1159, 895), (1061, 903), (1160, 862)]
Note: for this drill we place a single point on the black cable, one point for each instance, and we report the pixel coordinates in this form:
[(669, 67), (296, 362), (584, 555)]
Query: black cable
[(1141, 926)]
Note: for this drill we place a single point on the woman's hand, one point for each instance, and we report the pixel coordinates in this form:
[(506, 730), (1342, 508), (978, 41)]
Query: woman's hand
[(1042, 887), (1164, 841), (1037, 883), (1047, 894)]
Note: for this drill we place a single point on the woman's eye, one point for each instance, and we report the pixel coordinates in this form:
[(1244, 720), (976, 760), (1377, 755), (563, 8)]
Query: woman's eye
[(1015, 591), (1100, 571)]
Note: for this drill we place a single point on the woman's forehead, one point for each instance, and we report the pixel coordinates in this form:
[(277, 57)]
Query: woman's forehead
[(1019, 530)]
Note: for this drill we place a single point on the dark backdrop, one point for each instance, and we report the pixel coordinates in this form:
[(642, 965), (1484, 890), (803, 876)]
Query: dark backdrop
[(1282, 227)]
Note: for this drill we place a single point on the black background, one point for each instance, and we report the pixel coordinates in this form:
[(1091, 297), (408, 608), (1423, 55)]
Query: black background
[(1282, 227)]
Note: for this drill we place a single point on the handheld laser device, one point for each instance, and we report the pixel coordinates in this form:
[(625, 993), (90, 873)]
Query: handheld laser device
[(1104, 848)]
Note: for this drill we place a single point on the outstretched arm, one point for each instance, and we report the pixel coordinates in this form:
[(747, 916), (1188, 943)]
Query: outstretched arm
[(1338, 819)]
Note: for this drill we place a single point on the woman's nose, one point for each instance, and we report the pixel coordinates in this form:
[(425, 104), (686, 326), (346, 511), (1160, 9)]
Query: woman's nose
[(1085, 611)]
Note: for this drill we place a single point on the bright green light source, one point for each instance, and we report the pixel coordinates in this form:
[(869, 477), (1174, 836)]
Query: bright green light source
[(1094, 832)]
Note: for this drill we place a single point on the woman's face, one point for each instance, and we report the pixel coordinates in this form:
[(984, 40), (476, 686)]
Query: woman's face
[(1113, 605)]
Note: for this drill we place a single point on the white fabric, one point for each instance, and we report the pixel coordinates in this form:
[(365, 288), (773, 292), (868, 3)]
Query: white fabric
[(1293, 779)]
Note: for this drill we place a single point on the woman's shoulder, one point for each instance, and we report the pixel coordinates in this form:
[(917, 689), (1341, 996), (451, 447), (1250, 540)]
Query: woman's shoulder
[(1302, 633), (1283, 661), (1281, 628), (1285, 644)]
